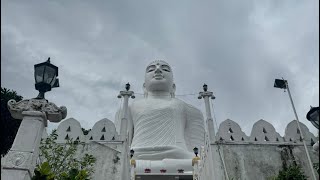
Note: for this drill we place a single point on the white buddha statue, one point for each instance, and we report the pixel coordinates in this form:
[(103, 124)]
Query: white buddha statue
[(163, 130)]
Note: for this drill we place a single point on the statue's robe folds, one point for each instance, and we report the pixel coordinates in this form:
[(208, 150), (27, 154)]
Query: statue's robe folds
[(163, 129)]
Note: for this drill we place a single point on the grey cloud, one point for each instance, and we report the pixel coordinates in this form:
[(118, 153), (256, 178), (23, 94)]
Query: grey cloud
[(237, 48)]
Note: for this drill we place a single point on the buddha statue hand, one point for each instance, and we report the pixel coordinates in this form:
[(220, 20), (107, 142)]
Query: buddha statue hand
[(161, 152)]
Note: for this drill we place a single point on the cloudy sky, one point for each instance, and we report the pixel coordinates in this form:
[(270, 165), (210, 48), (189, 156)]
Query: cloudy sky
[(237, 47)]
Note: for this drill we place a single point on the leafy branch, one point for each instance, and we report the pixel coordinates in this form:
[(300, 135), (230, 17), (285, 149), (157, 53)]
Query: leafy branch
[(60, 162)]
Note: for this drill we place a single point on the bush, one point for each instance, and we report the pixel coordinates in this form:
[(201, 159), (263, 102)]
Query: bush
[(9, 125), (293, 172), (60, 162)]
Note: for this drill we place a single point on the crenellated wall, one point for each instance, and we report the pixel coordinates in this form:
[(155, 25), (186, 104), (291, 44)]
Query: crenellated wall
[(103, 130), (263, 132), (229, 131), (102, 142), (70, 129), (258, 156)]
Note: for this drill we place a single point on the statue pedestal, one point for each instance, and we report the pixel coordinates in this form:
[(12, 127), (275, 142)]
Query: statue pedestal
[(171, 165)]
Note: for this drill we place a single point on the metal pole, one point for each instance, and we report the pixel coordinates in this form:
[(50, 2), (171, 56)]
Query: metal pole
[(303, 140)]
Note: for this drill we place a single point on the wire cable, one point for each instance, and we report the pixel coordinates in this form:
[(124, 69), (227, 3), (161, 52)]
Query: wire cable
[(219, 150)]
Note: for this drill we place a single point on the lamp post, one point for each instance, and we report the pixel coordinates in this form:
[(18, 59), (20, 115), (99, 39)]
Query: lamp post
[(45, 75), (215, 165), (20, 161), (206, 95), (313, 117), (195, 164), (125, 138), (133, 165), (283, 84), (196, 151)]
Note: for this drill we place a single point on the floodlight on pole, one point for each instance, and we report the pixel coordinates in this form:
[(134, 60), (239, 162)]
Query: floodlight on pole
[(313, 116), (283, 84)]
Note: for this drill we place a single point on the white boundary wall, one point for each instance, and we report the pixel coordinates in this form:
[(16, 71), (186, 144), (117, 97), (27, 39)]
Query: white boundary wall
[(258, 156)]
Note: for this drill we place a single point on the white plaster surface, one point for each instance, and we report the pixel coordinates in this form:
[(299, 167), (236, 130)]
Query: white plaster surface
[(292, 133), (166, 123), (108, 161), (263, 131), (44, 134), (70, 128), (262, 161), (243, 159), (103, 130), (20, 161), (230, 131), (11, 174)]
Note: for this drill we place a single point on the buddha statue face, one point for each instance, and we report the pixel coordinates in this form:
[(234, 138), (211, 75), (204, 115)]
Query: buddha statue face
[(159, 78)]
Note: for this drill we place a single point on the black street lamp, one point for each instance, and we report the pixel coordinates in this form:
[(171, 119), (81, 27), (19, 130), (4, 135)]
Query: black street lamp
[(205, 88), (127, 86), (196, 151), (45, 75), (313, 116)]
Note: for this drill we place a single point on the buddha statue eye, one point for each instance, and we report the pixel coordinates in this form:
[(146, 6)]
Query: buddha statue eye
[(165, 68), (151, 68)]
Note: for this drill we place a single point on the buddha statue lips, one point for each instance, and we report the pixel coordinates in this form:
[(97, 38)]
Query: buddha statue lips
[(160, 126), (158, 76)]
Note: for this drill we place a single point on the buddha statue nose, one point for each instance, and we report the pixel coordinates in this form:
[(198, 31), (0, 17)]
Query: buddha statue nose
[(158, 70)]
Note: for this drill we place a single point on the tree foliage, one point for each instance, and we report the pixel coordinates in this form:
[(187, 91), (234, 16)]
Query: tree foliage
[(293, 172), (9, 125), (60, 162), (316, 167)]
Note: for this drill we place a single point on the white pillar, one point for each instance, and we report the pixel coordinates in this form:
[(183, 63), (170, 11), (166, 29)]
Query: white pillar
[(20, 161), (124, 119), (125, 170), (206, 95), (213, 157)]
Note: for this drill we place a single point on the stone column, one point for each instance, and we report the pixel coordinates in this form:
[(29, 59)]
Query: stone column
[(125, 171), (20, 161), (213, 157), (206, 95)]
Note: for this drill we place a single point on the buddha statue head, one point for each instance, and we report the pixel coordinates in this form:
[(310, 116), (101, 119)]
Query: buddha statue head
[(159, 79)]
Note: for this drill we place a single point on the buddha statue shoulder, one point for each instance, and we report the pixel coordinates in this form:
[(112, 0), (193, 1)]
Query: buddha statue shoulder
[(161, 126)]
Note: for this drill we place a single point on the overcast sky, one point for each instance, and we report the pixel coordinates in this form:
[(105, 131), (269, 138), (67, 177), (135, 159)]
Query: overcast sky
[(236, 47)]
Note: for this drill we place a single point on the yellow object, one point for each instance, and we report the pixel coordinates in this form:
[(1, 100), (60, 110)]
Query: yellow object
[(133, 162), (195, 160)]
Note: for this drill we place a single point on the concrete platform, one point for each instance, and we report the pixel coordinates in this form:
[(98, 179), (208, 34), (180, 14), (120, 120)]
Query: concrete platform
[(164, 176)]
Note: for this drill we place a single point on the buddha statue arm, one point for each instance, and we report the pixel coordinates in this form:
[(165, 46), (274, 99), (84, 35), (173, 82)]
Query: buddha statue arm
[(117, 122), (194, 130)]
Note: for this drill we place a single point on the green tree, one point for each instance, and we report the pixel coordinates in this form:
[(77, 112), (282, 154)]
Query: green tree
[(9, 125), (59, 161), (293, 172)]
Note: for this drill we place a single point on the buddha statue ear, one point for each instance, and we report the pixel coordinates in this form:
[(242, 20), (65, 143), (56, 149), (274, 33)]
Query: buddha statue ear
[(145, 92), (173, 90)]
